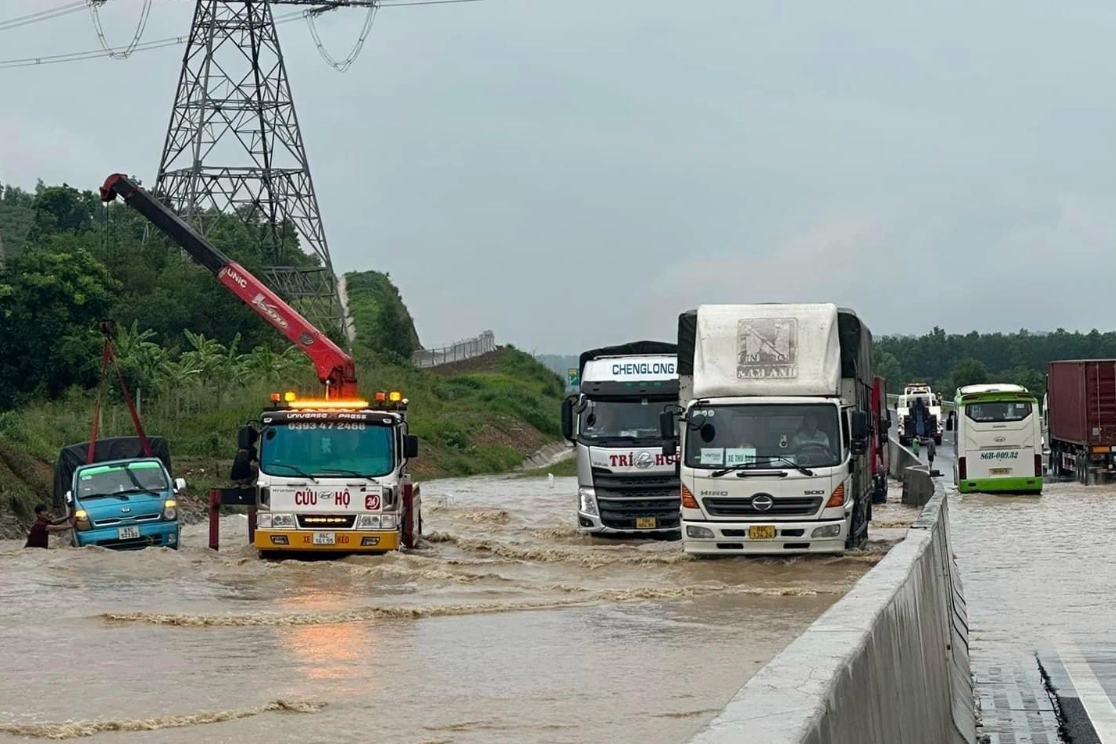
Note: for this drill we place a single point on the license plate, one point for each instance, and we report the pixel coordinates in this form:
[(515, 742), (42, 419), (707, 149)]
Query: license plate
[(1000, 471), (324, 538), (645, 523), (128, 533), (761, 532)]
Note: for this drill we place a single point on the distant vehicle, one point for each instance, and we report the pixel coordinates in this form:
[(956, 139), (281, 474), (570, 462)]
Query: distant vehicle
[(914, 422), (775, 429), (998, 442), (1080, 418), (120, 498), (625, 484)]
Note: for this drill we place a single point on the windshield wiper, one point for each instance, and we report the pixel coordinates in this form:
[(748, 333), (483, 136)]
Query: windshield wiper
[(346, 471), (295, 468), (792, 463)]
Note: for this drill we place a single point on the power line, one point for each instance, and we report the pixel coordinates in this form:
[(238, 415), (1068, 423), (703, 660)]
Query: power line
[(43, 15), (345, 64), (145, 13), (53, 59)]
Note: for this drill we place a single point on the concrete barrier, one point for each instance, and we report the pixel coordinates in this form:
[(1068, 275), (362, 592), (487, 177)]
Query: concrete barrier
[(887, 663)]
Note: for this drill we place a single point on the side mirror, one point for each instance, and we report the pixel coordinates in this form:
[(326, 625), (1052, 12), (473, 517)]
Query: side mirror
[(242, 466), (410, 446), (568, 418), (179, 485), (666, 425), (69, 497), (246, 436), (859, 425), (949, 423), (670, 448), (887, 421)]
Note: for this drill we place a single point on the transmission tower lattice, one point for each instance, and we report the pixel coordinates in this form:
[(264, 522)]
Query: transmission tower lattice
[(234, 146)]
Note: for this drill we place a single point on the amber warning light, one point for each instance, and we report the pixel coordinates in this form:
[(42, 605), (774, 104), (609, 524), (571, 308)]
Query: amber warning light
[(329, 405)]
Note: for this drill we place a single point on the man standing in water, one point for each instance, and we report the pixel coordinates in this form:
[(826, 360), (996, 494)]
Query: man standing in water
[(38, 536)]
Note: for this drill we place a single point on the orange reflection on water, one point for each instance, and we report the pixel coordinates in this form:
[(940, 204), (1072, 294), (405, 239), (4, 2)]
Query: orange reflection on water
[(331, 651)]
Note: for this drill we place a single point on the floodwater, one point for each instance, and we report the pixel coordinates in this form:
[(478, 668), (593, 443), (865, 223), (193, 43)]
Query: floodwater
[(506, 626)]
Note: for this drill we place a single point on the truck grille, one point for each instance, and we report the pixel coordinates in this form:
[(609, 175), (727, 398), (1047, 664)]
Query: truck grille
[(621, 514), (126, 520), (135, 543), (742, 507), (326, 521)]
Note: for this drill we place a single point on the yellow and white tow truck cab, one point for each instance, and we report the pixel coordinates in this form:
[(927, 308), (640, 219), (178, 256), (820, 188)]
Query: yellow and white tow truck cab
[(331, 475)]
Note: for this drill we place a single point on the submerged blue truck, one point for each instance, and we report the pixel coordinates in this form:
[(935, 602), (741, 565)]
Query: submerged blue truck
[(122, 497)]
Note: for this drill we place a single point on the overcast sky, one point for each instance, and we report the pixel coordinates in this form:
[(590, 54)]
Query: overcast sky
[(571, 173)]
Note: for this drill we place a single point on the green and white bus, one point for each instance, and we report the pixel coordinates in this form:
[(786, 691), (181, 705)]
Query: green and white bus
[(998, 441)]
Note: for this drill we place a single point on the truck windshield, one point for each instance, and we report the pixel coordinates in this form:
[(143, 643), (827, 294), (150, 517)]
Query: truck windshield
[(636, 418), (321, 449), (122, 478), (997, 412), (763, 436)]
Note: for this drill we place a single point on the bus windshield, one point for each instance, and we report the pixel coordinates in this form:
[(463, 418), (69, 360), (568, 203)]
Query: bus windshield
[(764, 436), (997, 412), (323, 450)]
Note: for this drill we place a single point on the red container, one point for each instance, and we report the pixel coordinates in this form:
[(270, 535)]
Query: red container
[(1081, 402)]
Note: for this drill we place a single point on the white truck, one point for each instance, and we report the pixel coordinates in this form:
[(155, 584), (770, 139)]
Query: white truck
[(625, 483), (774, 412), (932, 404)]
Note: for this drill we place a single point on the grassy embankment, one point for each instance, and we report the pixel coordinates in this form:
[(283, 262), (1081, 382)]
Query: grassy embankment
[(484, 420)]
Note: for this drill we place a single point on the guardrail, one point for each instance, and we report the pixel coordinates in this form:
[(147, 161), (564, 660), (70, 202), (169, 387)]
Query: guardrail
[(458, 351)]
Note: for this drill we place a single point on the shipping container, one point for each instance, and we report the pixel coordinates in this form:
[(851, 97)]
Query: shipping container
[(1081, 417)]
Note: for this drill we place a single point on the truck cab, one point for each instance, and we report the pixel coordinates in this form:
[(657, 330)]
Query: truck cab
[(331, 475), (775, 429), (117, 501), (625, 483)]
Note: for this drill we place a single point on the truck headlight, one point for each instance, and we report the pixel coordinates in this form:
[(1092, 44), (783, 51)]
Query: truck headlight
[(81, 520), (283, 521), (389, 521), (700, 533), (368, 522), (263, 521), (829, 530), (587, 501), (169, 510)]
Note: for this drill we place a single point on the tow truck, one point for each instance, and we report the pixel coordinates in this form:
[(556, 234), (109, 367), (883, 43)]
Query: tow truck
[(319, 474)]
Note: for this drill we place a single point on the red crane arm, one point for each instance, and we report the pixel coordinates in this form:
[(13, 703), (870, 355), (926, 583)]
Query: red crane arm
[(335, 368)]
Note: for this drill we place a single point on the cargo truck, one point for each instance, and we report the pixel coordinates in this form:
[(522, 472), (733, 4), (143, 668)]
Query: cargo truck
[(774, 421), (1081, 419), (625, 483)]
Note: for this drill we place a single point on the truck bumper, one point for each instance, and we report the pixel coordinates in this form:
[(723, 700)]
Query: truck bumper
[(1032, 484), (152, 535), (591, 524), (343, 541), (734, 538)]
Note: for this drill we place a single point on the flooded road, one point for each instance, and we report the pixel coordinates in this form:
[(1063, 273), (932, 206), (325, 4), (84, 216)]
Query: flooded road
[(505, 626)]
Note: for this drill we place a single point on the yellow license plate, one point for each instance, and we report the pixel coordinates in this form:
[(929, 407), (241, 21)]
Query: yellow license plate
[(764, 532), (1000, 471), (645, 523)]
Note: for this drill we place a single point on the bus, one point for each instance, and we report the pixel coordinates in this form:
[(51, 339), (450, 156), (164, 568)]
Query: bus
[(998, 442)]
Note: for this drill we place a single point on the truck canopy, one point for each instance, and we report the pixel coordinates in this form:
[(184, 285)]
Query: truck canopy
[(776, 350), (119, 448)]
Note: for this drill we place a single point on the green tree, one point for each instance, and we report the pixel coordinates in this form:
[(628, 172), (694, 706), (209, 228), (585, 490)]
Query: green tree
[(969, 372), (885, 365), (49, 306)]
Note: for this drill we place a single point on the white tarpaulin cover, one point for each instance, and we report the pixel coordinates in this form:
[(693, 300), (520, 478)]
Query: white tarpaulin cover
[(770, 350)]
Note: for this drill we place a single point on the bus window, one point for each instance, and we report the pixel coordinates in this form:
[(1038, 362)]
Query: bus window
[(997, 412)]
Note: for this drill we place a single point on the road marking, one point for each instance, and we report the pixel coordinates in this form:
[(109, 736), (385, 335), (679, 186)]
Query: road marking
[(1098, 706)]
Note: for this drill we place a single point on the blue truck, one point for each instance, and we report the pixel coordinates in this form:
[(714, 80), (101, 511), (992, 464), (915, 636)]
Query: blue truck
[(122, 497)]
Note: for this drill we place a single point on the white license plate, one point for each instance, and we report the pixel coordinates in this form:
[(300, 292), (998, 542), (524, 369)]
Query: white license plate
[(324, 538), (128, 533)]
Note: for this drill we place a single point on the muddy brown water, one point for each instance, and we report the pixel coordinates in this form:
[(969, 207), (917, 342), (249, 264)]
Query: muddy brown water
[(507, 626)]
